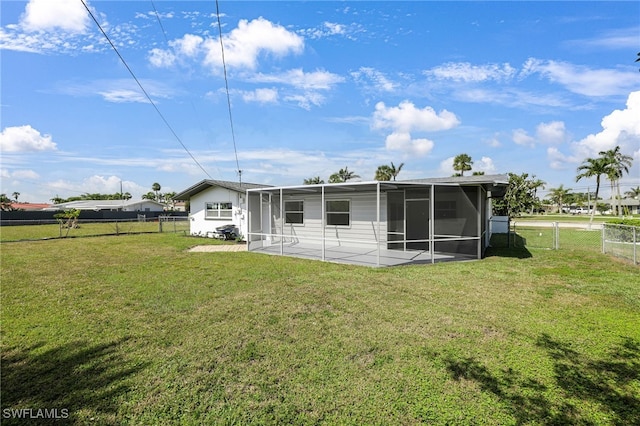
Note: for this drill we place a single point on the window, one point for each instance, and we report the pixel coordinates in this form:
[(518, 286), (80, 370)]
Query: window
[(218, 210), (294, 212), (338, 212)]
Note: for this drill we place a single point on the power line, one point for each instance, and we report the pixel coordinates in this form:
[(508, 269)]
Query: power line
[(160, 22), (226, 84), (144, 91)]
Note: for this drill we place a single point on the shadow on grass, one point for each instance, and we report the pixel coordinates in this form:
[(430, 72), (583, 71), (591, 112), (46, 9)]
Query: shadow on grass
[(610, 383), (76, 377), (501, 247)]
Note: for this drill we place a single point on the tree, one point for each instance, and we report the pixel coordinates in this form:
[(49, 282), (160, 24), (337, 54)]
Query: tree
[(617, 164), (342, 175), (633, 193), (520, 196), (462, 163), (313, 181), (149, 196), (5, 203), (477, 174), (395, 171), (383, 173), (156, 188), (592, 167), (15, 196), (558, 196)]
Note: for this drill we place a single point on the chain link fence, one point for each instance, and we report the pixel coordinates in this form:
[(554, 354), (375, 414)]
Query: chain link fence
[(617, 240), (93, 227), (622, 241)]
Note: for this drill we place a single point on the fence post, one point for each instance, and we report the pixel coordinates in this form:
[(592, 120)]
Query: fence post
[(556, 236), (635, 245), (604, 225), (117, 229), (160, 224)]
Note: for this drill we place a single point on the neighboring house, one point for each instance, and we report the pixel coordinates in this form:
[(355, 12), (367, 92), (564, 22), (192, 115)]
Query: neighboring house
[(376, 223), (214, 203), (29, 206), (113, 205), (628, 205)]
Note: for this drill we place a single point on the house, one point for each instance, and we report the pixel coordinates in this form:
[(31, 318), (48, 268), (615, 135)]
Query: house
[(29, 206), (214, 203), (627, 205), (111, 205), (376, 223)]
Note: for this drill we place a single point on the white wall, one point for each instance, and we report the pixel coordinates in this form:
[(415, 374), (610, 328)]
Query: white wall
[(199, 225), (362, 229)]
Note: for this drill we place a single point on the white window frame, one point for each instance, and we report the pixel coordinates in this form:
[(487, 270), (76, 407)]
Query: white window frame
[(301, 212), (214, 210), (328, 213)]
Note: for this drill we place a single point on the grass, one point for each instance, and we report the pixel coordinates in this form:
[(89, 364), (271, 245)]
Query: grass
[(136, 330)]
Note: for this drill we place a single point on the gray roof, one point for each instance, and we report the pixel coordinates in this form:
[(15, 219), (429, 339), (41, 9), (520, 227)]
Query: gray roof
[(486, 179), (100, 204), (208, 183)]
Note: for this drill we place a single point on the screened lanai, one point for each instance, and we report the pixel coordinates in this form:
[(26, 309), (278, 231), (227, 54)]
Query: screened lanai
[(373, 223)]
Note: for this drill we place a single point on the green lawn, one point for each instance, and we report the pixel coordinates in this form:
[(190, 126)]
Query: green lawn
[(136, 330)]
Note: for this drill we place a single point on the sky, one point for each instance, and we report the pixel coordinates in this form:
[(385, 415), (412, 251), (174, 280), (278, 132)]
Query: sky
[(311, 87)]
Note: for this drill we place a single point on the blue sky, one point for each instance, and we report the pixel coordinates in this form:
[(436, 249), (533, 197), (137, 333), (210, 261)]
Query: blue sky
[(523, 87)]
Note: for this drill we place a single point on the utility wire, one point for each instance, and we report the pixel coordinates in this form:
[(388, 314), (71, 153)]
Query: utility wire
[(144, 91), (160, 22), (226, 84), (166, 38)]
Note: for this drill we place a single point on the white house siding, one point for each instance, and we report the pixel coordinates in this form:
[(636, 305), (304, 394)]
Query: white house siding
[(362, 231), (200, 225)]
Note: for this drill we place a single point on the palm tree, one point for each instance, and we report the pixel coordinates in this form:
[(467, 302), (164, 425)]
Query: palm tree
[(633, 193), (462, 163), (156, 188), (592, 167), (395, 171), (558, 195), (383, 173), (342, 175), (149, 196), (313, 181), (15, 196), (617, 164)]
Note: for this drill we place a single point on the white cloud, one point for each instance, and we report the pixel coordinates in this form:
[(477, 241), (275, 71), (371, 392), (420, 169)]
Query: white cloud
[(468, 73), (46, 15), (123, 95), (25, 139), (316, 80), (621, 127), (622, 38), (244, 44), (553, 132), (400, 141), (406, 118), (263, 96), (379, 80), (98, 184), (485, 164), (306, 100), (559, 161), (521, 137), (25, 174), (161, 58), (582, 80)]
